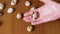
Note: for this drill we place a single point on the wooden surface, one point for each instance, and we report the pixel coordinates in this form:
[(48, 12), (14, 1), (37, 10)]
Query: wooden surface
[(13, 26)]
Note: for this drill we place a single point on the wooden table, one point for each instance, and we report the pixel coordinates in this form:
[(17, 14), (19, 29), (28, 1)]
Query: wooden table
[(11, 25)]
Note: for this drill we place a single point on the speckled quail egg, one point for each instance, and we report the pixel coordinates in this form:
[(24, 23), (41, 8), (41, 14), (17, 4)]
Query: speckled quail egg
[(27, 3), (10, 10), (13, 2), (33, 8), (29, 28), (34, 15), (1, 6), (18, 16)]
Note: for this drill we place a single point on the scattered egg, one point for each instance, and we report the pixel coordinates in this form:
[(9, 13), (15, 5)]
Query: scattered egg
[(29, 28), (1, 6), (10, 10), (19, 16), (13, 2), (27, 3), (33, 8)]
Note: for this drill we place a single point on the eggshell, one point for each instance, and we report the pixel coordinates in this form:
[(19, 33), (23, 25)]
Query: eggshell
[(13, 2), (18, 16), (33, 8), (29, 28), (1, 6), (10, 10), (27, 3)]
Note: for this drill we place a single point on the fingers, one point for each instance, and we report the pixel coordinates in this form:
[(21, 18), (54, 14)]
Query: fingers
[(45, 1), (27, 19)]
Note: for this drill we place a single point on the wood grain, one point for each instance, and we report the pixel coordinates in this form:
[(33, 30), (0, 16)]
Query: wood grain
[(11, 25)]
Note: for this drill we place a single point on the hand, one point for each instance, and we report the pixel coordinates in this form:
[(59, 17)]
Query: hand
[(49, 12)]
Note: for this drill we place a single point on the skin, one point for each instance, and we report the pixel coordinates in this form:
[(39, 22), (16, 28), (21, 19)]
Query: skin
[(49, 12)]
